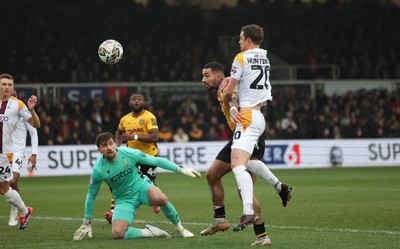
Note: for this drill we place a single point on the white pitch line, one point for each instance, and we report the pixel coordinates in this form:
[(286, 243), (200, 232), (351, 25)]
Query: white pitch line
[(343, 230)]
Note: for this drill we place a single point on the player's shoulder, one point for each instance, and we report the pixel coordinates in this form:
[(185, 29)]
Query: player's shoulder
[(129, 114), (19, 102), (239, 56), (126, 117), (14, 99), (148, 113)]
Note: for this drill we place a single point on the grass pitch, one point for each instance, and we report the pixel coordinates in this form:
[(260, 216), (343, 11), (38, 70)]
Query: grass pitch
[(330, 208)]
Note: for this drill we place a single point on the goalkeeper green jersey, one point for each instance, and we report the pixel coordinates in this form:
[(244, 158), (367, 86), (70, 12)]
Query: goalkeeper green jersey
[(122, 175)]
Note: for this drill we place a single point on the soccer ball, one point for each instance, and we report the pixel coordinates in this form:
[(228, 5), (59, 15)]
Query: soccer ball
[(110, 51)]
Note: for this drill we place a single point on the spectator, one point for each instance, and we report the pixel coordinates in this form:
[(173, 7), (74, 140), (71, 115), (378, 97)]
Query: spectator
[(165, 134), (196, 134), (180, 136)]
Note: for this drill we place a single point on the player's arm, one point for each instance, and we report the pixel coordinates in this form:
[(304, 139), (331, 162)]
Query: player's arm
[(118, 137), (152, 137), (235, 115), (34, 120), (229, 90), (93, 190), (34, 145), (166, 164)]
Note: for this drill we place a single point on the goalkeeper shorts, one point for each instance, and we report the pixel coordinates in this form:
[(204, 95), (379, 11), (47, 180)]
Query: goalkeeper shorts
[(126, 209)]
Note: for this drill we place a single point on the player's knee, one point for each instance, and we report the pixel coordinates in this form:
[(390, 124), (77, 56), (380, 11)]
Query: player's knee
[(214, 176), (118, 233), (162, 200), (14, 184), (210, 176), (4, 188)]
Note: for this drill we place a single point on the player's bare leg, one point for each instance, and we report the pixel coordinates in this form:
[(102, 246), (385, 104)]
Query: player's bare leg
[(214, 175)]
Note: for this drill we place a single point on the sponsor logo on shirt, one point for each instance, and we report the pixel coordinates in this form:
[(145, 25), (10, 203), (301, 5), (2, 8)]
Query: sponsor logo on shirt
[(121, 175), (3, 118)]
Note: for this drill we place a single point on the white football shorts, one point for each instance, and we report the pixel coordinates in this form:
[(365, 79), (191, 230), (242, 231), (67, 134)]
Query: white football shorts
[(18, 160), (6, 174), (247, 133)]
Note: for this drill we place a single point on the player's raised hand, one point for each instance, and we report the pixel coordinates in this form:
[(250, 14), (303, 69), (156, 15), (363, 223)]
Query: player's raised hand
[(189, 172), (32, 101)]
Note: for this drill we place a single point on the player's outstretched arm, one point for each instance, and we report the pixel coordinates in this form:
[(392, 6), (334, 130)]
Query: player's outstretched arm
[(86, 228), (166, 164)]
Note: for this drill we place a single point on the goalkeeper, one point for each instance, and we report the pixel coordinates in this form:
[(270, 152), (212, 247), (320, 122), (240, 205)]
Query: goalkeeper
[(117, 167)]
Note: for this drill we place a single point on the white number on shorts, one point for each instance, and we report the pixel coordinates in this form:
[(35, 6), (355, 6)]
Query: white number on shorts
[(152, 172), (19, 162)]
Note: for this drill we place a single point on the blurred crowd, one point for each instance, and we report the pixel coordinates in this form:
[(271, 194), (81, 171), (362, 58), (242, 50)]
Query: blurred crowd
[(360, 114), (56, 41)]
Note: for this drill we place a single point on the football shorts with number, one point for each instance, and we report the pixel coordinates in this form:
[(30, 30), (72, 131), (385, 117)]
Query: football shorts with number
[(18, 159), (147, 170), (6, 174), (258, 152), (247, 132)]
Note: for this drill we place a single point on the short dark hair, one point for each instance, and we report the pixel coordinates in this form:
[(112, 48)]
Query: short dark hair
[(214, 66), (254, 32), (7, 76), (136, 93), (104, 138)]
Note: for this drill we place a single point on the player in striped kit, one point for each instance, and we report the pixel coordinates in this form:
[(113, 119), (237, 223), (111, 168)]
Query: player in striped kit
[(11, 111), (19, 143)]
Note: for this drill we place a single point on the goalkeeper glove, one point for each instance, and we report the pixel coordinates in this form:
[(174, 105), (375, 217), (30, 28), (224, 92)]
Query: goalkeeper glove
[(189, 172), (86, 228)]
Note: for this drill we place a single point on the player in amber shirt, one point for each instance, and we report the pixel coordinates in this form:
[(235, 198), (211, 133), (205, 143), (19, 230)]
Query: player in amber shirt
[(139, 130)]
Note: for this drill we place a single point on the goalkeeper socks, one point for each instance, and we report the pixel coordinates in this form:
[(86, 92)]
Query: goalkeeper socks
[(260, 169), (133, 233), (14, 198), (170, 212), (245, 185)]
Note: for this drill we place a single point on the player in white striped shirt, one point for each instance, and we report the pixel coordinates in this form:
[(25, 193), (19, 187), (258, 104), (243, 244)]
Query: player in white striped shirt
[(11, 111), (19, 144)]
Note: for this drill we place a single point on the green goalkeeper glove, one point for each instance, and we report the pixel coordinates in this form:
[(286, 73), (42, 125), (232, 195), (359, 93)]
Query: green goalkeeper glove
[(189, 172), (86, 228)]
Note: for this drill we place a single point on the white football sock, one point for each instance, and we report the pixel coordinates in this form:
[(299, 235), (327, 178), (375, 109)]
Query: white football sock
[(14, 209), (260, 169), (14, 198), (245, 185)]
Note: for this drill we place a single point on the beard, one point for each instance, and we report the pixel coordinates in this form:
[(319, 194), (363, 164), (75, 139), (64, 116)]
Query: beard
[(137, 110)]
